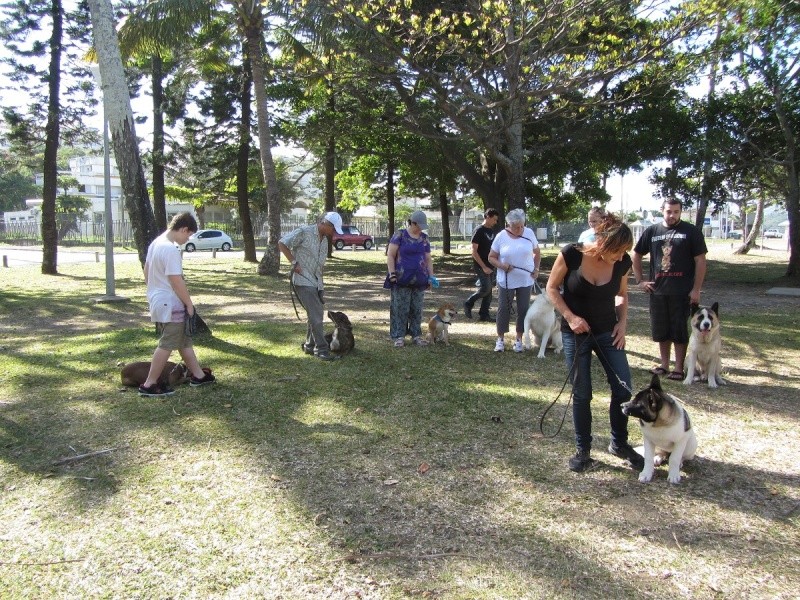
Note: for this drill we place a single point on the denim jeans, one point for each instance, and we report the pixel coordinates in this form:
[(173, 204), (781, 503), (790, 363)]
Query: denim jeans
[(578, 350), (484, 293)]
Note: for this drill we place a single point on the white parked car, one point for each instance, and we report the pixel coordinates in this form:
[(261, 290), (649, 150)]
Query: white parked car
[(773, 233), (208, 239)]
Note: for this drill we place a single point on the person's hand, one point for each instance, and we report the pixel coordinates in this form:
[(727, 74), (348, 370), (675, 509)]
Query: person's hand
[(296, 268), (577, 324), (647, 286), (618, 335), (694, 297), (487, 270)]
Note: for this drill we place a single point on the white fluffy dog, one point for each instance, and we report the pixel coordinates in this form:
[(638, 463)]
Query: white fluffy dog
[(545, 324)]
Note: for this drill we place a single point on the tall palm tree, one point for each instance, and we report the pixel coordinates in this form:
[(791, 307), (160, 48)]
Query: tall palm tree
[(165, 20)]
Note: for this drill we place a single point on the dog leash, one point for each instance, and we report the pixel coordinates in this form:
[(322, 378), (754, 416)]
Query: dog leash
[(292, 295), (566, 381), (553, 403)]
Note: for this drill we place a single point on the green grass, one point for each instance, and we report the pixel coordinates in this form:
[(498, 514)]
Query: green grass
[(296, 478)]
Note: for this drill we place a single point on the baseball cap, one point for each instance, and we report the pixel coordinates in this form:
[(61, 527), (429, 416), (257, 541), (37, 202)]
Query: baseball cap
[(419, 218), (334, 219)]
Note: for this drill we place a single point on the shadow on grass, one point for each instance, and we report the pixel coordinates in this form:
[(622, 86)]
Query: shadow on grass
[(344, 441)]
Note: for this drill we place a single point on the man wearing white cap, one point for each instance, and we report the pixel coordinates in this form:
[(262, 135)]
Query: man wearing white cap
[(306, 249)]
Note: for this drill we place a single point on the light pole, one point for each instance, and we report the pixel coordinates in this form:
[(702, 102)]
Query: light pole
[(108, 221)]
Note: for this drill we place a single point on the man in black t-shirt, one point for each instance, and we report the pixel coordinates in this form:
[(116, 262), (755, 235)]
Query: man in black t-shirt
[(482, 240), (677, 270)]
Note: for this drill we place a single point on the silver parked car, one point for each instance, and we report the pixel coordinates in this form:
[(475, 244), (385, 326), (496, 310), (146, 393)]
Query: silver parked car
[(208, 239)]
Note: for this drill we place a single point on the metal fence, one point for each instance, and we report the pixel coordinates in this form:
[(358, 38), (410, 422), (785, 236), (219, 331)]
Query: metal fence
[(74, 232)]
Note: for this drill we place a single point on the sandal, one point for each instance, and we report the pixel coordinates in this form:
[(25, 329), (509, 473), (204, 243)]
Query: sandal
[(658, 371), (676, 376)]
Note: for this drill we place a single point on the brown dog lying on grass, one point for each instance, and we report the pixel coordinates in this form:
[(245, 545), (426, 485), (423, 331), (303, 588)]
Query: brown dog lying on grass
[(135, 374)]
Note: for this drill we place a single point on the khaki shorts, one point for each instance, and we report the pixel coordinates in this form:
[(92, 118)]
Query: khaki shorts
[(173, 336)]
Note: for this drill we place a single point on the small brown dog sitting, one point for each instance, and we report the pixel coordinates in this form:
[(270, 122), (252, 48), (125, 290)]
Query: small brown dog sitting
[(135, 374), (341, 340), (439, 324)]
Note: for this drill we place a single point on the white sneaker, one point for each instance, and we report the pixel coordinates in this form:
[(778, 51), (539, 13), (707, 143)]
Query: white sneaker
[(518, 346), (500, 346)]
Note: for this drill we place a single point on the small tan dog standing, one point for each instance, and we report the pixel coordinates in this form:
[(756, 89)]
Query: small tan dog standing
[(440, 322)]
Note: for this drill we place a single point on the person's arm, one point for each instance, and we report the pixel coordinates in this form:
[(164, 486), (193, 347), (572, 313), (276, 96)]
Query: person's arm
[(621, 306), (638, 274), (494, 259), (146, 270), (180, 289), (287, 252), (557, 275), (391, 261), (537, 260), (699, 277), (476, 257), (429, 263)]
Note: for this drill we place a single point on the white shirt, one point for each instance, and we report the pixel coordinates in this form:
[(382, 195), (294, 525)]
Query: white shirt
[(163, 259), (517, 252)]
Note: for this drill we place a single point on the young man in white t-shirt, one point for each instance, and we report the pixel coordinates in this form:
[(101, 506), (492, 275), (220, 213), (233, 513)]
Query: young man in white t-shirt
[(170, 302)]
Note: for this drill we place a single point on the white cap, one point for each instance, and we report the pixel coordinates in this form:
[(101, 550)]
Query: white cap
[(334, 219)]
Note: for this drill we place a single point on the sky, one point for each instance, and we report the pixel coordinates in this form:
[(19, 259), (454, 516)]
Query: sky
[(632, 192)]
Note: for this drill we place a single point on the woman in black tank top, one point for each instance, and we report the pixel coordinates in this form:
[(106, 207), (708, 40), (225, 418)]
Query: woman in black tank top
[(595, 310)]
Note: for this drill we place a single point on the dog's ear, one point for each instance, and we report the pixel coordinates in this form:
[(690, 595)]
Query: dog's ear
[(695, 307), (655, 382), (715, 308)]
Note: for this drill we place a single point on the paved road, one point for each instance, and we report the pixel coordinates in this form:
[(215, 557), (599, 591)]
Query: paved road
[(17, 256)]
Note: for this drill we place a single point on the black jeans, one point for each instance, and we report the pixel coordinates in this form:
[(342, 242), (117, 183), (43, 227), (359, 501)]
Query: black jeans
[(484, 293)]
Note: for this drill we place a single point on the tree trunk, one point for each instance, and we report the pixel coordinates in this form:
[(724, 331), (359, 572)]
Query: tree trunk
[(159, 195), (251, 24), (117, 103), (444, 210), (52, 131), (792, 185), (390, 196), (752, 236), (243, 162)]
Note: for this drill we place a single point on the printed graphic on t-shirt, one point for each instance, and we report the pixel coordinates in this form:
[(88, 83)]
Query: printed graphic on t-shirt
[(666, 265)]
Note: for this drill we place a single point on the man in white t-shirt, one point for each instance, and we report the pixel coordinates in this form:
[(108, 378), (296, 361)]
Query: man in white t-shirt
[(170, 304)]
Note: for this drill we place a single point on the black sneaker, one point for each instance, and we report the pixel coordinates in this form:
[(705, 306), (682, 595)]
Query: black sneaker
[(205, 380), (581, 461), (467, 310), (155, 391), (306, 348), (487, 319), (324, 355), (626, 452)]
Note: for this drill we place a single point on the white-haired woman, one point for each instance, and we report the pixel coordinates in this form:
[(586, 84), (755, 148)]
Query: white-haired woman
[(515, 253)]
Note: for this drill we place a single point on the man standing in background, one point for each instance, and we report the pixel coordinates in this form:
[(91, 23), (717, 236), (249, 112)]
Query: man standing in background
[(482, 240), (677, 270)]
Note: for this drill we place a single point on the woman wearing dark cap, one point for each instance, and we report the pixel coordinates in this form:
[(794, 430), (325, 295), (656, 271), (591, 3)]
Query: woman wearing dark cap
[(408, 260)]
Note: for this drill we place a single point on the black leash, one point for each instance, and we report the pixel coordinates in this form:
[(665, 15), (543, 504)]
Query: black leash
[(566, 381), (292, 295)]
